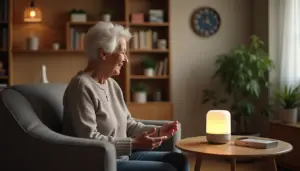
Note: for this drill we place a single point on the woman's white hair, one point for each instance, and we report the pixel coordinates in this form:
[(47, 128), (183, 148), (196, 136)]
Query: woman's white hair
[(104, 35)]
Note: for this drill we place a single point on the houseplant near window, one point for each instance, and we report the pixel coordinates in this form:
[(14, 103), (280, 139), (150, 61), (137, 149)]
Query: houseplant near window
[(243, 74), (149, 66), (289, 100), (140, 93)]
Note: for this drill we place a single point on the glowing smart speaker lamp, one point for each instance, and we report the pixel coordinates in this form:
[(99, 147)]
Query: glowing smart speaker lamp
[(218, 126)]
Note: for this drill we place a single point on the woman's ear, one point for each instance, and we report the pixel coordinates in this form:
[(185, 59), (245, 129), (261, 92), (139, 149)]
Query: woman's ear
[(102, 54)]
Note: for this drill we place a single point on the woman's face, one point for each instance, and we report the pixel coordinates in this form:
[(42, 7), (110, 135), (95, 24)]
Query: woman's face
[(116, 60)]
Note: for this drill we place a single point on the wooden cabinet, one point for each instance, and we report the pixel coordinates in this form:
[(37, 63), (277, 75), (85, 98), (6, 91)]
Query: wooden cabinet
[(289, 133), (151, 111)]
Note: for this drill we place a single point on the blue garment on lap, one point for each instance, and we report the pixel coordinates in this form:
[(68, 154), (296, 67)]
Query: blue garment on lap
[(154, 161)]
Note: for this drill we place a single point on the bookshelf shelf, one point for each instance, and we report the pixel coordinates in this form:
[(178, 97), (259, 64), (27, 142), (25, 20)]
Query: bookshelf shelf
[(3, 50), (148, 51), (90, 23), (3, 77), (3, 22), (47, 51), (147, 77), (149, 24)]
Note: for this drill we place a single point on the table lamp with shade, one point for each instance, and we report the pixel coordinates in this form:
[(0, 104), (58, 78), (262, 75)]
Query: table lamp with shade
[(218, 126)]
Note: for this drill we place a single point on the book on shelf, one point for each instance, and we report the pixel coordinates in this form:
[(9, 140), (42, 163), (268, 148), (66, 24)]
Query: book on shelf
[(4, 10), (76, 39), (161, 68), (144, 39), (3, 38)]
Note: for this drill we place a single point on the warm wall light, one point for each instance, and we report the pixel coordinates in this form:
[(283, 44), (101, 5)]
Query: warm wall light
[(32, 13), (218, 126)]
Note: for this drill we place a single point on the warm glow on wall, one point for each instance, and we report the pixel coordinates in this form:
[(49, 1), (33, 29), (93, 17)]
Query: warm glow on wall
[(32, 13)]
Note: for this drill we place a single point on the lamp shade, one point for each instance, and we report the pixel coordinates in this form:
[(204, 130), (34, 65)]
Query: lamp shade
[(218, 126), (32, 13)]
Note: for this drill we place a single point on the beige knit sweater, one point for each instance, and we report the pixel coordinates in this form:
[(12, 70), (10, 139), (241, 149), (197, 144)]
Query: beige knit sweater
[(98, 111)]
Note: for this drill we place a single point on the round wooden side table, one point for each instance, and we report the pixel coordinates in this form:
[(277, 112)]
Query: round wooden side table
[(200, 147)]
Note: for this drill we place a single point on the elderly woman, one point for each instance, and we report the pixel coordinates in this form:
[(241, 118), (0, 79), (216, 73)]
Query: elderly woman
[(94, 106)]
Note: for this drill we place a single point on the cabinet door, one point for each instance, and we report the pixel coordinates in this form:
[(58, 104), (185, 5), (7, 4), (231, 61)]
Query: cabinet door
[(289, 134)]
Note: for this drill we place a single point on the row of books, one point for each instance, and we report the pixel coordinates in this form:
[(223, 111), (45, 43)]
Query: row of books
[(4, 10), (76, 39), (3, 38), (161, 68), (144, 39)]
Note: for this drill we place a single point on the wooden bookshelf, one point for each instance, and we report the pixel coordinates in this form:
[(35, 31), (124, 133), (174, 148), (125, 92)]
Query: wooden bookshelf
[(5, 43), (60, 29)]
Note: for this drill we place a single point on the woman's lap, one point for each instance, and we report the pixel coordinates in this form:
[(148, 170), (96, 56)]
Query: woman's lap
[(154, 161)]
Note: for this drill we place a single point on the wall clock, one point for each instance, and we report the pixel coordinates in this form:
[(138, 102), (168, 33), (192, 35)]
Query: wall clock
[(205, 21)]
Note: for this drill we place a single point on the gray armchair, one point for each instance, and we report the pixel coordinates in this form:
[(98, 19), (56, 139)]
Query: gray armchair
[(31, 139)]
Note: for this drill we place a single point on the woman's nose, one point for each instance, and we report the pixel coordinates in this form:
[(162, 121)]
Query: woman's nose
[(126, 58)]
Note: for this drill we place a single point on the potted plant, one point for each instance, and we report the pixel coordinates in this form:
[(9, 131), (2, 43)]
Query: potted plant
[(289, 100), (243, 74), (78, 15), (149, 66), (140, 93), (106, 16)]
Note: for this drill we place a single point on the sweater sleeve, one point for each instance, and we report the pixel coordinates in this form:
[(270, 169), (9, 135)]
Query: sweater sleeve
[(82, 107), (134, 128)]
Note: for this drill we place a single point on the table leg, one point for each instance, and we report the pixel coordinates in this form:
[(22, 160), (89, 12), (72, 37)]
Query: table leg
[(198, 163), (233, 164), (272, 164)]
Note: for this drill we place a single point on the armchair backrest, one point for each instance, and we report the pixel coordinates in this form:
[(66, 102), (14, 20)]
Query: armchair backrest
[(44, 99)]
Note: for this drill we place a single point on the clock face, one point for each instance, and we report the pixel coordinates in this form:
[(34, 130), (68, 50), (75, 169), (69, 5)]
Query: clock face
[(205, 21)]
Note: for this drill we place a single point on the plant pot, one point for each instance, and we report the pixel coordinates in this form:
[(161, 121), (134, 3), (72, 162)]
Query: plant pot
[(78, 17), (33, 43), (140, 97), (288, 116), (106, 17), (149, 72)]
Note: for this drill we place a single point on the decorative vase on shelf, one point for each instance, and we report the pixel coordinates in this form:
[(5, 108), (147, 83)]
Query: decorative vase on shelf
[(106, 17), (44, 78), (149, 72), (140, 97), (33, 42)]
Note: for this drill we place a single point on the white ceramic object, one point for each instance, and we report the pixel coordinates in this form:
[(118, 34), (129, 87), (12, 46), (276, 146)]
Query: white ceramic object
[(162, 44), (33, 43), (106, 17), (140, 97), (55, 46), (289, 116), (44, 78), (149, 72), (78, 17)]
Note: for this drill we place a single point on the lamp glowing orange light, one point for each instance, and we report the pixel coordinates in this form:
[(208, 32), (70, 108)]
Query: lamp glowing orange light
[(218, 126), (32, 13)]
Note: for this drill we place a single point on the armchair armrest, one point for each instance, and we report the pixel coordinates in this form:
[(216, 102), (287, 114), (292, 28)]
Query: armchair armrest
[(70, 153), (168, 145)]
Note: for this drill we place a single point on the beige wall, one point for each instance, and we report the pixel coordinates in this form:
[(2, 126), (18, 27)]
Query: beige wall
[(193, 56)]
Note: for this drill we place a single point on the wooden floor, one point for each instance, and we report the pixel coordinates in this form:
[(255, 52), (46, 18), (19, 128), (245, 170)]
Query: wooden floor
[(221, 165)]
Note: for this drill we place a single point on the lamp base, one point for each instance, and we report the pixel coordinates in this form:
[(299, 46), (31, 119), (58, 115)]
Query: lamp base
[(218, 138)]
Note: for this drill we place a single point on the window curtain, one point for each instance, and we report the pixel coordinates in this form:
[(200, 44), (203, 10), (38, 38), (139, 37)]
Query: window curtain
[(289, 43)]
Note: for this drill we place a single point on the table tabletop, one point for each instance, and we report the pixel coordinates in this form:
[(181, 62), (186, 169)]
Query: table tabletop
[(200, 145)]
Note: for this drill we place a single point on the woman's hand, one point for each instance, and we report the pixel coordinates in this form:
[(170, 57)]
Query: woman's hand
[(147, 141), (169, 129)]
